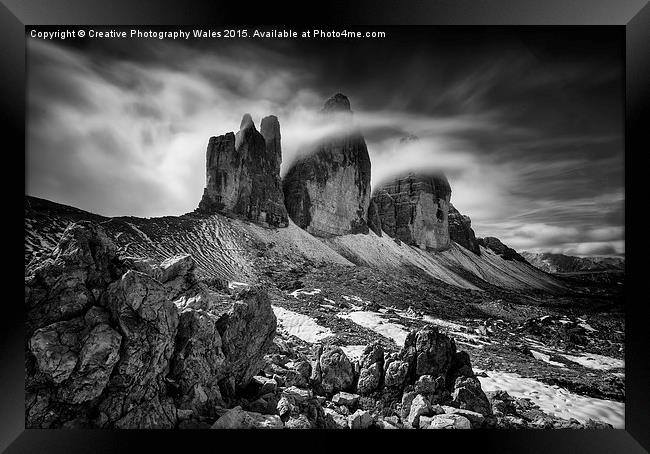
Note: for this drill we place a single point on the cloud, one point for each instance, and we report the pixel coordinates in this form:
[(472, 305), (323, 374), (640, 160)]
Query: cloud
[(126, 134)]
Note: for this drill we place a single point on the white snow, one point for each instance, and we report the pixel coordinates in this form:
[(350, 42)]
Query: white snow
[(301, 291), (234, 285), (299, 325), (443, 323), (353, 352), (377, 323), (468, 344), (598, 362), (546, 359), (555, 400), (587, 326)]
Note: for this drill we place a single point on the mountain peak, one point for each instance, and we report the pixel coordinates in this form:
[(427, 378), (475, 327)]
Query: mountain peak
[(246, 122), (337, 103)]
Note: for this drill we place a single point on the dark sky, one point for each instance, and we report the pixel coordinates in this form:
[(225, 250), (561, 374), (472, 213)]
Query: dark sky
[(527, 123)]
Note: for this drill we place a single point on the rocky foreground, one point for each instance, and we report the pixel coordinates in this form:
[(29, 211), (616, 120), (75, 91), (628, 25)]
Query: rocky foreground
[(120, 342)]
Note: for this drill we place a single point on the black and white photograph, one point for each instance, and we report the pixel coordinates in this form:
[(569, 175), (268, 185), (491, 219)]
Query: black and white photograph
[(325, 227)]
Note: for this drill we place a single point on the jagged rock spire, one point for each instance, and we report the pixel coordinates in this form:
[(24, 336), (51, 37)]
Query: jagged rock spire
[(327, 192), (243, 174)]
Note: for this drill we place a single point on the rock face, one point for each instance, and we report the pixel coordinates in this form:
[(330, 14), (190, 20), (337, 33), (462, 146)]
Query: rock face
[(415, 210), (460, 231), (496, 246), (327, 192), (243, 174), (117, 342)]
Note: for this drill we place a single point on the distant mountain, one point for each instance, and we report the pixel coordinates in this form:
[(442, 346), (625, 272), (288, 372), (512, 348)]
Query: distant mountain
[(560, 263)]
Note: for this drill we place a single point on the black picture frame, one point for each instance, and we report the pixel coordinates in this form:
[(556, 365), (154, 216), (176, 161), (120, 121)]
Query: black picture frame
[(631, 15)]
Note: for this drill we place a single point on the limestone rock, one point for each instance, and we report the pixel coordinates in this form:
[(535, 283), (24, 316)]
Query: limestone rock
[(327, 190), (396, 373), (337, 372), (372, 367), (468, 395), (360, 419), (425, 384), (449, 422), (415, 210), (347, 399), (125, 342), (460, 230), (236, 418), (473, 417), (243, 174), (419, 406), (338, 420), (428, 352), (247, 329), (71, 280), (199, 361), (496, 246), (148, 321)]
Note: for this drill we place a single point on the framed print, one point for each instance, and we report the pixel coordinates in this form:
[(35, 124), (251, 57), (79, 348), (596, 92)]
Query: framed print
[(368, 223)]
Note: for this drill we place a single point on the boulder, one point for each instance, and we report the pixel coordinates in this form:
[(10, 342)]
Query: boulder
[(425, 384), (247, 329), (79, 354), (300, 421), (221, 345), (415, 209), (264, 385), (336, 370), (428, 352), (68, 282), (449, 421), (338, 421), (476, 419), (243, 174), (148, 322), (347, 399), (407, 400), (396, 373), (468, 395), (236, 418), (327, 190), (297, 394), (372, 368), (419, 407), (360, 419)]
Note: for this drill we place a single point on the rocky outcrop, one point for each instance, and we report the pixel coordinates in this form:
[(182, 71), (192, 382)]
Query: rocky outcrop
[(460, 231), (415, 210), (126, 343), (500, 249), (243, 174), (327, 191)]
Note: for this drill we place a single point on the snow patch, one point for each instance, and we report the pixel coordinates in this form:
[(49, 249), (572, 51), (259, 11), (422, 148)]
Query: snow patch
[(299, 325), (555, 400), (378, 324), (353, 352), (546, 359), (598, 362), (295, 293), (235, 285)]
